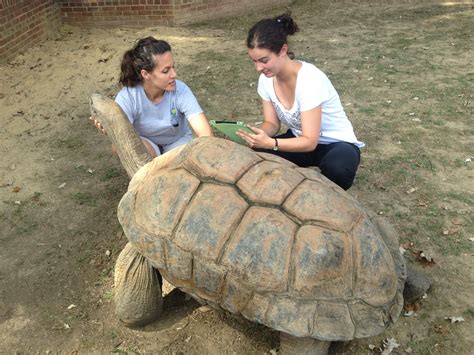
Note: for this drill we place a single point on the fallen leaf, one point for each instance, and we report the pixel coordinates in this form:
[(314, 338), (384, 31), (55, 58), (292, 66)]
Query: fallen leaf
[(438, 328), (16, 189), (204, 309), (455, 319), (407, 245), (183, 326), (62, 185), (389, 345), (423, 258), (411, 309), (71, 306)]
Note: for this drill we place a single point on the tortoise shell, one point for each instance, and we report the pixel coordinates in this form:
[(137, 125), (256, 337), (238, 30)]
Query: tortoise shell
[(258, 236)]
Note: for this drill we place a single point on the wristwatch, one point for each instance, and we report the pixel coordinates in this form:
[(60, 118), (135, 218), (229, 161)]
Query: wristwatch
[(275, 147)]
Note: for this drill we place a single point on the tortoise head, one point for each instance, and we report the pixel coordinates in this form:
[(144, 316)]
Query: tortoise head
[(130, 148)]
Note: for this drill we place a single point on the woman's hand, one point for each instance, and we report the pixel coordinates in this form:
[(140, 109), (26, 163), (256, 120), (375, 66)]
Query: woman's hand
[(258, 140), (97, 124)]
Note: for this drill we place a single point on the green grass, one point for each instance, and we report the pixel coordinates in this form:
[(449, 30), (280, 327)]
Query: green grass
[(84, 198)]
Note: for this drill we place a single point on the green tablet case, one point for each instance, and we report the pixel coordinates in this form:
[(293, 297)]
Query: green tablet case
[(229, 128)]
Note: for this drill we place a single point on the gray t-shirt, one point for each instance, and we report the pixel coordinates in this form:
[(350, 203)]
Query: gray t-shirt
[(157, 121)]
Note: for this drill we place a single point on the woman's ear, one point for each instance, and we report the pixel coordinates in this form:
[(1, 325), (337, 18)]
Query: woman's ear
[(144, 74), (284, 50)]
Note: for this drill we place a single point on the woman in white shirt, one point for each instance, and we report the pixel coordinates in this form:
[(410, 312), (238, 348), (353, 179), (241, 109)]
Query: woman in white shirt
[(300, 96), (161, 108)]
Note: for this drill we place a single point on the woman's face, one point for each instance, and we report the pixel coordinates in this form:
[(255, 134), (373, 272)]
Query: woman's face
[(163, 76), (266, 61)]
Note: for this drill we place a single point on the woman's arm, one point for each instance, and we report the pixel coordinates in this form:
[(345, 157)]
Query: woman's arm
[(200, 125), (310, 127), (271, 123), (307, 142)]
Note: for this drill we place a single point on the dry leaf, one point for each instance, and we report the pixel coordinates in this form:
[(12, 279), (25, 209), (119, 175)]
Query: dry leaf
[(407, 245), (455, 319), (16, 189), (423, 258), (438, 328), (71, 306), (389, 345)]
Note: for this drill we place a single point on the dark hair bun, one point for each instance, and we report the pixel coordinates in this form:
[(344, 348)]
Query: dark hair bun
[(287, 22)]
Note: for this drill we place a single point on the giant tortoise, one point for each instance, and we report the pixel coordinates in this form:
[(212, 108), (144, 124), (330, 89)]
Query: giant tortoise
[(252, 234)]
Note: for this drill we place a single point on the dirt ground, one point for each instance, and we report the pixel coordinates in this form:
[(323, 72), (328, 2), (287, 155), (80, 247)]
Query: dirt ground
[(405, 76)]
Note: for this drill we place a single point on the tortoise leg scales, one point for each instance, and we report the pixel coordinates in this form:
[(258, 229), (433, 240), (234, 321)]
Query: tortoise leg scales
[(138, 298), (290, 345)]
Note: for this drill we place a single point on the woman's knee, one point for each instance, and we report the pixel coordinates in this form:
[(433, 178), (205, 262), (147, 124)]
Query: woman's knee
[(340, 164), (341, 176)]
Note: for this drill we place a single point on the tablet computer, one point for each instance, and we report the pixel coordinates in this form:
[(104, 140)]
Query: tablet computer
[(229, 128)]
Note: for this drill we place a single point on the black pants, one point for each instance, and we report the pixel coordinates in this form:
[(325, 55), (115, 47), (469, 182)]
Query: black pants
[(337, 161)]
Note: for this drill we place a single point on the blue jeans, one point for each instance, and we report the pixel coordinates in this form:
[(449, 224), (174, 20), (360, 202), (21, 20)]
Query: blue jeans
[(337, 161)]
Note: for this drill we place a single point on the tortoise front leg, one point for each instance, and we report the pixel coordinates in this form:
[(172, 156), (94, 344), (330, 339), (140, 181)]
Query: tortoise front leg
[(138, 298), (290, 345)]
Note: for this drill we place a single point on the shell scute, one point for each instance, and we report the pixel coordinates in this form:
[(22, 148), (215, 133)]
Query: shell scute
[(368, 320), (257, 307), (269, 182), (374, 266), (204, 229), (323, 263), (259, 251), (332, 321), (321, 204), (292, 316), (235, 295), (276, 159), (162, 198), (179, 264), (206, 159), (208, 276)]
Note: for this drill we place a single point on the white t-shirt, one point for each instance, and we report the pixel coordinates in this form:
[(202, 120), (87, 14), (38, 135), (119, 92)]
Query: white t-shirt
[(313, 88), (154, 121)]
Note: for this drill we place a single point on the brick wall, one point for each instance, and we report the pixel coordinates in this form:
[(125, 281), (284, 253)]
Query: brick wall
[(25, 23), (187, 11), (130, 13), (152, 12)]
